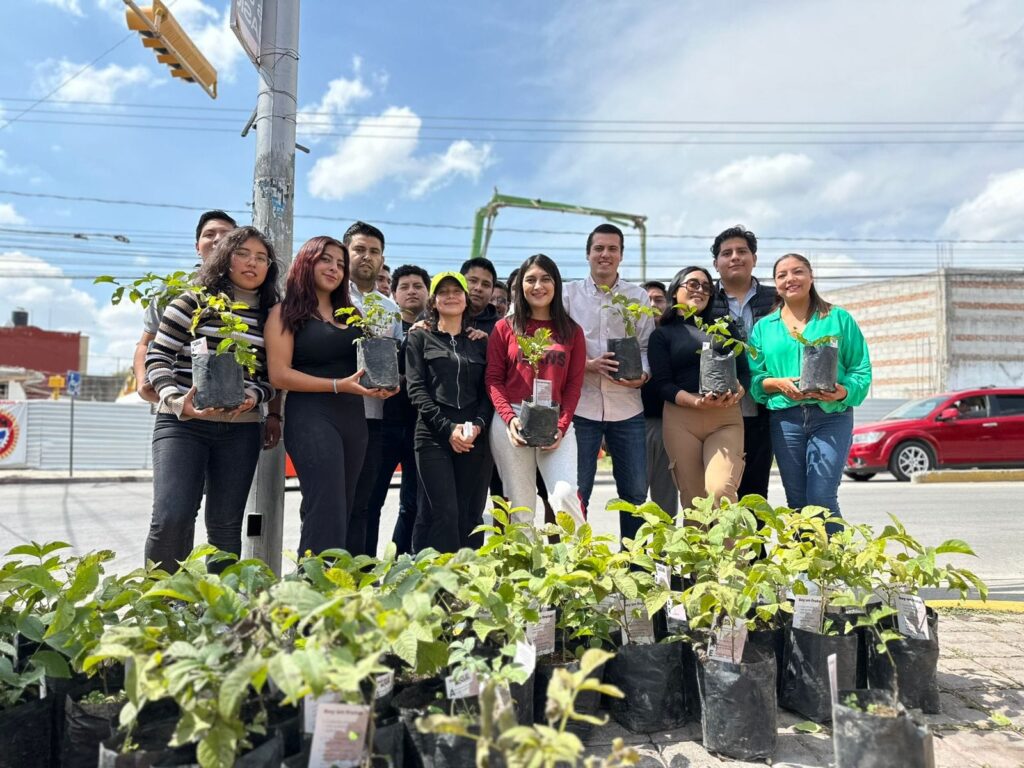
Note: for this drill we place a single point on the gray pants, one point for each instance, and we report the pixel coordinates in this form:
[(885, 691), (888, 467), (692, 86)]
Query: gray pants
[(663, 490)]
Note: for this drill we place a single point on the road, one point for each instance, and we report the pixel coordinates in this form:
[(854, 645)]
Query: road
[(990, 516)]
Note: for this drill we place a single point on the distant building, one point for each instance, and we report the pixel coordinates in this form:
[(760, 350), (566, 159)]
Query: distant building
[(51, 352), (940, 331)]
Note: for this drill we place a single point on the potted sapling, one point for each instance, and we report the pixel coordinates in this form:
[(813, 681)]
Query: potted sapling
[(718, 356), (377, 353), (538, 417), (626, 350), (218, 374), (819, 363)]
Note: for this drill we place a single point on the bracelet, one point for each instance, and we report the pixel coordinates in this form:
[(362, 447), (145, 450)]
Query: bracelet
[(276, 415), (334, 383)]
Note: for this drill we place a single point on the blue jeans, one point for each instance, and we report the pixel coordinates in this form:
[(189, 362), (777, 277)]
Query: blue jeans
[(186, 456), (626, 441), (811, 447)]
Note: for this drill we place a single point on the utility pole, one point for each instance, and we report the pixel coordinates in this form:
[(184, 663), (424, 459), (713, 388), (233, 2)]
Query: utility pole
[(273, 203)]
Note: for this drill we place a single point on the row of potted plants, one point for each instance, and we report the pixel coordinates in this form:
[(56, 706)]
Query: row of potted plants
[(499, 656)]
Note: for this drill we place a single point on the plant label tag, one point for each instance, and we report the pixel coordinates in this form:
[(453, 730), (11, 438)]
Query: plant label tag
[(541, 392), (912, 616), (677, 612), (462, 687), (639, 627), (467, 430), (526, 656), (728, 641), (198, 347), (807, 612), (310, 704), (662, 575), (610, 603), (542, 634), (340, 736), (706, 345), (833, 678), (385, 684)]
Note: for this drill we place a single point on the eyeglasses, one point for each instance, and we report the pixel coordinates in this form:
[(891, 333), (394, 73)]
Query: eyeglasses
[(697, 286), (244, 256)]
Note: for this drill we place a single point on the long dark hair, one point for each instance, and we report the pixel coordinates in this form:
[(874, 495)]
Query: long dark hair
[(213, 274), (433, 315), (564, 326), (671, 314), (818, 305), (300, 302)]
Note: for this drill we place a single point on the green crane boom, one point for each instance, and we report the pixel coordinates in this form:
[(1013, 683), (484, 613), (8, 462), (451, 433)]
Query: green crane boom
[(483, 224)]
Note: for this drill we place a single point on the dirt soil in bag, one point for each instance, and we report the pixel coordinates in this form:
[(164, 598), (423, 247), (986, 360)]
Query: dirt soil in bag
[(218, 380), (717, 372), (863, 739), (378, 358), (539, 424), (916, 667), (626, 352), (651, 677), (819, 369), (738, 705)]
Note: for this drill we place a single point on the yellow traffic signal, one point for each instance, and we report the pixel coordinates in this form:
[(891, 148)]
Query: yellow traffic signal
[(173, 47)]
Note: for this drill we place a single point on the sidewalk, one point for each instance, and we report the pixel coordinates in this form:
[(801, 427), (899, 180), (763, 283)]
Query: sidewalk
[(981, 676), (42, 476)]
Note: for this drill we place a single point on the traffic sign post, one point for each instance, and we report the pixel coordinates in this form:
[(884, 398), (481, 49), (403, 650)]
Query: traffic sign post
[(74, 389)]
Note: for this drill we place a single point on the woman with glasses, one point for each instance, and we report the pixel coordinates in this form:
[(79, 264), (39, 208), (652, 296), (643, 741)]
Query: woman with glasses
[(811, 432), (703, 433), (209, 447), (311, 353)]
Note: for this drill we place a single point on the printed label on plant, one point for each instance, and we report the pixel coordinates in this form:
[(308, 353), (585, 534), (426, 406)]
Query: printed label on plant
[(542, 633), (462, 687), (309, 708), (639, 627), (340, 736), (662, 575), (526, 656), (833, 678), (385, 684), (611, 603), (912, 616), (728, 640), (198, 347), (541, 392), (807, 612)]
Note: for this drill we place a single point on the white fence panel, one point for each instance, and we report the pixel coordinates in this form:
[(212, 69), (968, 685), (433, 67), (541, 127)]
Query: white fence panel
[(107, 435)]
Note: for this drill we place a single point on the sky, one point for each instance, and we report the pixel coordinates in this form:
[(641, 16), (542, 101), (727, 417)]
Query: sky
[(878, 138)]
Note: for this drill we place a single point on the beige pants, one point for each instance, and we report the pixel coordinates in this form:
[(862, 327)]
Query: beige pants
[(705, 451)]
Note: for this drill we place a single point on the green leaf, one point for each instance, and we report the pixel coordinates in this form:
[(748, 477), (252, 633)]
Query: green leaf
[(87, 578), (217, 750), (807, 727), (954, 547), (406, 647), (431, 656), (235, 686), (63, 618), (1001, 720), (54, 664)]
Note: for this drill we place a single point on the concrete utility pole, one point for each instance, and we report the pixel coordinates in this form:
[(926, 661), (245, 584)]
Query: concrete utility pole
[(273, 203)]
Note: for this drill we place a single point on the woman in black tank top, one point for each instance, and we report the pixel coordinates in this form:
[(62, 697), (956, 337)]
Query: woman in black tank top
[(313, 356)]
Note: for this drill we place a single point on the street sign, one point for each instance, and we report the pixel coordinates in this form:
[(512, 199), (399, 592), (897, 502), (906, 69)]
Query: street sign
[(247, 24), (74, 383)]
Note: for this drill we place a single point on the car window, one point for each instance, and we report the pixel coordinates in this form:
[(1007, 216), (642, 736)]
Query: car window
[(973, 407), (1010, 405), (915, 409)]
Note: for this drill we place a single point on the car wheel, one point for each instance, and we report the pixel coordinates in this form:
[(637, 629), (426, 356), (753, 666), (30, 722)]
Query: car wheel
[(860, 477), (910, 458)]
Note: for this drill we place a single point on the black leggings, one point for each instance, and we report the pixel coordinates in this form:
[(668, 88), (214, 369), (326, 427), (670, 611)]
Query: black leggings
[(455, 485), (325, 436)]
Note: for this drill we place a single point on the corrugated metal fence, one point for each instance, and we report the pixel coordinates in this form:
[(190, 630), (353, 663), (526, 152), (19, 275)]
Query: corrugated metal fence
[(107, 435)]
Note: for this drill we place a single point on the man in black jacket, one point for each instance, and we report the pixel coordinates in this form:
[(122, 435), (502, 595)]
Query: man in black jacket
[(480, 277), (738, 293)]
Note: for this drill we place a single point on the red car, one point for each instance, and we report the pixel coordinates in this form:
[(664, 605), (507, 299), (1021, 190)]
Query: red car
[(972, 428)]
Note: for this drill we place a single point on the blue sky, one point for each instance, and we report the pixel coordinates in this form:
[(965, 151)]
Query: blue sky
[(836, 129)]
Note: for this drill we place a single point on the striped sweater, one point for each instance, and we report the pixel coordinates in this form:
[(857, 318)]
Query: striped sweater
[(169, 361)]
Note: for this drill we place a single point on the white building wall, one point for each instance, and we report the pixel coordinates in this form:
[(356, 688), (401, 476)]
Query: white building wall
[(985, 326)]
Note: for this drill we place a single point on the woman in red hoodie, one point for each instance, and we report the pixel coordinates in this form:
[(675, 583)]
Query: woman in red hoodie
[(536, 303)]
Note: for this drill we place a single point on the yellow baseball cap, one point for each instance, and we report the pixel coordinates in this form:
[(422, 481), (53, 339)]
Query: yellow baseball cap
[(442, 275)]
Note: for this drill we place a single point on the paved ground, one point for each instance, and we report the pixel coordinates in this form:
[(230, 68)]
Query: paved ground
[(981, 676)]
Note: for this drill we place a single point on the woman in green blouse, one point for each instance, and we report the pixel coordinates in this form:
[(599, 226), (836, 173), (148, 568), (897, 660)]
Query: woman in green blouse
[(811, 431)]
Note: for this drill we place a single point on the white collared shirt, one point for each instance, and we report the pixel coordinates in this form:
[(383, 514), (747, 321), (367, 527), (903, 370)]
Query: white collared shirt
[(588, 305), (372, 406)]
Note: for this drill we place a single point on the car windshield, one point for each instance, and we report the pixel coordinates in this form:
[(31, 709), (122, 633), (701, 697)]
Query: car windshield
[(915, 409)]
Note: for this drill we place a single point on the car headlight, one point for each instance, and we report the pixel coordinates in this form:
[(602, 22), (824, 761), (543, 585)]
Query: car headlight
[(867, 438)]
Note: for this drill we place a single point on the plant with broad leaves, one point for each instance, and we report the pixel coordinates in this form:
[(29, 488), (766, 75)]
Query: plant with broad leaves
[(533, 348), (631, 311), (149, 289), (821, 341), (231, 327), (375, 319), (718, 330)]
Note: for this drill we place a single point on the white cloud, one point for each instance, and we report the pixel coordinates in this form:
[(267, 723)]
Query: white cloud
[(98, 84), (10, 216), (315, 120), (463, 158), (54, 303), (756, 175), (995, 212), (71, 6), (211, 31), (372, 154)]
